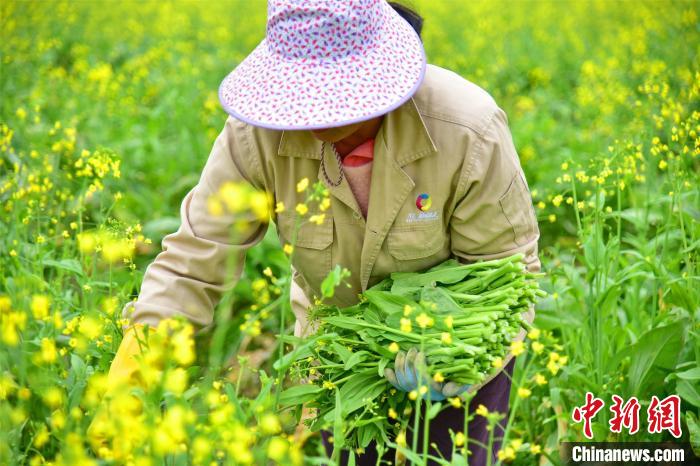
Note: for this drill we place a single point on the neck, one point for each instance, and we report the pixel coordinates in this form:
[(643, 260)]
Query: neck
[(367, 131)]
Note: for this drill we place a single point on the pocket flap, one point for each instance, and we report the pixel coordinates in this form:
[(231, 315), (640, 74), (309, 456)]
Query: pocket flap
[(516, 205), (310, 235)]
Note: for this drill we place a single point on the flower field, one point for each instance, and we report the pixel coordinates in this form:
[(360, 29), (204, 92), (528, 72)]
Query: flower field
[(108, 113)]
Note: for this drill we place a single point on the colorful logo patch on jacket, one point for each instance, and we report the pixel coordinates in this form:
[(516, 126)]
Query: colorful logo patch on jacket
[(423, 202)]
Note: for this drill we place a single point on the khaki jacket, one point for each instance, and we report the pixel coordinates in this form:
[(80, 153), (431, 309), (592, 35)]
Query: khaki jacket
[(450, 141)]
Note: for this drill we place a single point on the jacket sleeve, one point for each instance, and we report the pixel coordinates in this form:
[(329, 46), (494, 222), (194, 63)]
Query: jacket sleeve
[(189, 276), (494, 216)]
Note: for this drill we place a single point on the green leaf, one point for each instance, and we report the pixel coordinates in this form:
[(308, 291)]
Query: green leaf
[(338, 437), (382, 364), (349, 323), (434, 410), (355, 359), (388, 303), (366, 433), (299, 394), (693, 431), (344, 353), (362, 396), (690, 374), (331, 281), (70, 265), (658, 347), (445, 303), (301, 352), (688, 392), (359, 388), (447, 275)]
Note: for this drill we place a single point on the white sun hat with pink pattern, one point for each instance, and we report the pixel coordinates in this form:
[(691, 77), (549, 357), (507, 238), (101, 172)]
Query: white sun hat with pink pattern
[(325, 63)]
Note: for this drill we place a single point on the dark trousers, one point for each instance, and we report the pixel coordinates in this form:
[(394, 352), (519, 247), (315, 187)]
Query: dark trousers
[(494, 395)]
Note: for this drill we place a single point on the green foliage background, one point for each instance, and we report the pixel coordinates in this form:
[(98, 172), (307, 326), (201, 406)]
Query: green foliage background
[(603, 102)]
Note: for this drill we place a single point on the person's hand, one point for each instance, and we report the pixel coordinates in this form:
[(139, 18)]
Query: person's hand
[(408, 369), (121, 375)]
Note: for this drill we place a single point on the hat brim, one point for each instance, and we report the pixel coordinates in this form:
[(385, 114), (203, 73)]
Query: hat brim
[(270, 91)]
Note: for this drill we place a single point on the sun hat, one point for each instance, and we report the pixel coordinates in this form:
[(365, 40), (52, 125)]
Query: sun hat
[(325, 63)]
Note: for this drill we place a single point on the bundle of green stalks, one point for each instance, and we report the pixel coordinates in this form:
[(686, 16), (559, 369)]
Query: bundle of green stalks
[(461, 316)]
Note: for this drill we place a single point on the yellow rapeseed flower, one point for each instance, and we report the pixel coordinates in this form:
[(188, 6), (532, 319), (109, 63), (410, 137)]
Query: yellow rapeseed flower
[(328, 384), (40, 306), (517, 348), (277, 449), (302, 209), (87, 242), (317, 219), (406, 325), (540, 379), (90, 327), (537, 347), (424, 320), (288, 249), (176, 381), (524, 392), (5, 304), (48, 350), (394, 347), (401, 439), (302, 185), (497, 362), (183, 345), (446, 338), (449, 320), (506, 454), (260, 205), (115, 250), (270, 424), (460, 439)]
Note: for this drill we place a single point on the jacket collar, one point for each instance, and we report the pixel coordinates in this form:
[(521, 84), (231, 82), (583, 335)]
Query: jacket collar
[(404, 133)]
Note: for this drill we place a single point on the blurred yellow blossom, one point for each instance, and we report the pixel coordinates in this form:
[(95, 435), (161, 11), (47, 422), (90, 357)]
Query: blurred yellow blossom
[(302, 185), (40, 306)]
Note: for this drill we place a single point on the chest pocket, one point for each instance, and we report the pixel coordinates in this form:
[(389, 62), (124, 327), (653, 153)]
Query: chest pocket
[(312, 249), (416, 247)]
